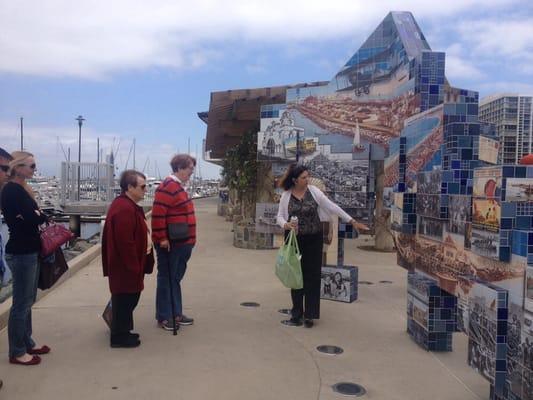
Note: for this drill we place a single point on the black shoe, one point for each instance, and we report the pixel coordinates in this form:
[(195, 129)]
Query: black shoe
[(134, 335), (167, 325), (292, 322), (128, 342), (308, 323), (184, 320)]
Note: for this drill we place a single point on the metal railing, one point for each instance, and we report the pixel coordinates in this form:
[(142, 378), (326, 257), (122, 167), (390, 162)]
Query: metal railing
[(87, 182)]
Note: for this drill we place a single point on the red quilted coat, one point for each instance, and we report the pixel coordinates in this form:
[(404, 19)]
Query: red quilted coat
[(124, 243)]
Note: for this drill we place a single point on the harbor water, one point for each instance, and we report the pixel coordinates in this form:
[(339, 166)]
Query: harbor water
[(88, 230)]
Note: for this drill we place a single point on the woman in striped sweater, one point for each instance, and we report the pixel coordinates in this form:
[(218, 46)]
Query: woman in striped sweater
[(173, 208)]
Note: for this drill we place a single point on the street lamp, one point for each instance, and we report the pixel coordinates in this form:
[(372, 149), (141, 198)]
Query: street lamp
[(80, 120)]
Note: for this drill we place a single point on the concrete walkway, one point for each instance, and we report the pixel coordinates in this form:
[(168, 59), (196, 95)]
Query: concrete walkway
[(233, 352)]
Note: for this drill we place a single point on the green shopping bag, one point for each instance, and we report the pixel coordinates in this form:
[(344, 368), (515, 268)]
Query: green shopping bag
[(288, 267)]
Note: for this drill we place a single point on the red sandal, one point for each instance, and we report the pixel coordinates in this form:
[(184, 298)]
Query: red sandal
[(44, 349), (34, 361)]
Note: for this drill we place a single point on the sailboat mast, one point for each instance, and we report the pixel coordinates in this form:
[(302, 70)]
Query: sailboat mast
[(21, 134)]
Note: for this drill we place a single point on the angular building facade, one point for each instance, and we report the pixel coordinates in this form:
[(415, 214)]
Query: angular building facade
[(512, 115)]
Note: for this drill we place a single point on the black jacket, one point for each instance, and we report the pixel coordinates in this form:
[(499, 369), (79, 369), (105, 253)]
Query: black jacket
[(23, 222)]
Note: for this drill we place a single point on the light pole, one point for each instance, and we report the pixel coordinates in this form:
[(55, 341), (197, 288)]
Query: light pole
[(80, 120)]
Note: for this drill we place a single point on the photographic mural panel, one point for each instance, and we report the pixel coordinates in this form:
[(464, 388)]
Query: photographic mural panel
[(459, 212), (488, 149), (429, 182), (487, 183), (265, 218), (424, 138), (486, 214), (519, 189)]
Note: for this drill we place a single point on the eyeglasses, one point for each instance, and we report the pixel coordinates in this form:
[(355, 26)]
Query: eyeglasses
[(4, 168), (32, 166)]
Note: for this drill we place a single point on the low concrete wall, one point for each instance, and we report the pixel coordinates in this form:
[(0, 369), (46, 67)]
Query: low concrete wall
[(74, 265)]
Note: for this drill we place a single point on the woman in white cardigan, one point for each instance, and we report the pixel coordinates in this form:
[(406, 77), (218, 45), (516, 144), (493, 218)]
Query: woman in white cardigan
[(311, 206)]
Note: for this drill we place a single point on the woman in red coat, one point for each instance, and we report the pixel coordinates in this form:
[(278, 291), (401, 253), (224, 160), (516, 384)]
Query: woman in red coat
[(125, 248)]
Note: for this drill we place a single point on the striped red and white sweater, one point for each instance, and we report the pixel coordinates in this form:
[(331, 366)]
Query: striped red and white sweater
[(172, 205)]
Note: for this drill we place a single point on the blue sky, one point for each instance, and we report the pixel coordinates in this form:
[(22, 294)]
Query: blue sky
[(144, 69)]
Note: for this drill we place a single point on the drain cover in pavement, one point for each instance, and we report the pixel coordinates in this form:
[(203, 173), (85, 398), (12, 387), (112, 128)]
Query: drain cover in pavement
[(349, 389), (286, 311), (385, 281), (366, 283), (328, 349), (250, 304)]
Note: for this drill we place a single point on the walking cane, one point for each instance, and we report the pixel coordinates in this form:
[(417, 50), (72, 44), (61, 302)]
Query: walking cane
[(174, 327)]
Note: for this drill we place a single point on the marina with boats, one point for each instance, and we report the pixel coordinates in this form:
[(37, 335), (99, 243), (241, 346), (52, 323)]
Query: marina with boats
[(81, 204)]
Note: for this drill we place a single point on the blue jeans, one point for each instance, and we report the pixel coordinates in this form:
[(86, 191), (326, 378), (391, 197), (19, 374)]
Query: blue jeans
[(174, 260), (25, 271)]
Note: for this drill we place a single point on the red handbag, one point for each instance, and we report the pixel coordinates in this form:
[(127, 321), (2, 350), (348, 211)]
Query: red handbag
[(53, 236)]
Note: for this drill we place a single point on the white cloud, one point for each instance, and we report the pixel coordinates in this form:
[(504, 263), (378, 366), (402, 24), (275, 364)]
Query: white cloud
[(93, 39), (507, 37), (459, 65), (505, 86), (46, 142), (257, 66), (459, 68)]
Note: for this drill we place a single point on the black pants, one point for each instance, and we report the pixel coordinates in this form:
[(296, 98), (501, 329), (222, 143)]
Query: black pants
[(122, 306), (306, 301)]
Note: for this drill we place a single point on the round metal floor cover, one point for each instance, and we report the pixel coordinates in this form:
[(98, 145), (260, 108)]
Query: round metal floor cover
[(250, 304), (349, 389), (385, 281), (366, 283), (286, 311), (328, 349)]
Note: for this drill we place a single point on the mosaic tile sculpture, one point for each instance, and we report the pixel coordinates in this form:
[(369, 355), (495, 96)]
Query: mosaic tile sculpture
[(458, 218), (340, 282), (431, 313)]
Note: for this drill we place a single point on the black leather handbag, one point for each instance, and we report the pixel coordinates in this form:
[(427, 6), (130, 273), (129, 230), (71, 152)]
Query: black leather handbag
[(149, 264), (178, 231), (107, 315), (51, 268)]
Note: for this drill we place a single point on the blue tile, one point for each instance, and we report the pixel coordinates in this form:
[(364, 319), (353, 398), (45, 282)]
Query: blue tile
[(508, 172), (505, 253), (508, 210), (506, 223), (520, 172)]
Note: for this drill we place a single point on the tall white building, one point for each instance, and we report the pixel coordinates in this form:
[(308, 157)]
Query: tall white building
[(511, 113)]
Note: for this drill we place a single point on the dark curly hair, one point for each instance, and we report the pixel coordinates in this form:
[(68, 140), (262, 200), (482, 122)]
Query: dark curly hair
[(292, 173)]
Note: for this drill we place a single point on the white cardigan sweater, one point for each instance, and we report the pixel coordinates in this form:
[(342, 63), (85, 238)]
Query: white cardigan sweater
[(326, 208)]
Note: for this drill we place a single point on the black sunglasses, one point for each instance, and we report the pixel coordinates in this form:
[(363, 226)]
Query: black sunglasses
[(32, 166), (136, 186), (4, 168)]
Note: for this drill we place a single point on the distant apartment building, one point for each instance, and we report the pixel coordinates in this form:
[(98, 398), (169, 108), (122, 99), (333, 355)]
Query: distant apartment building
[(511, 113)]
